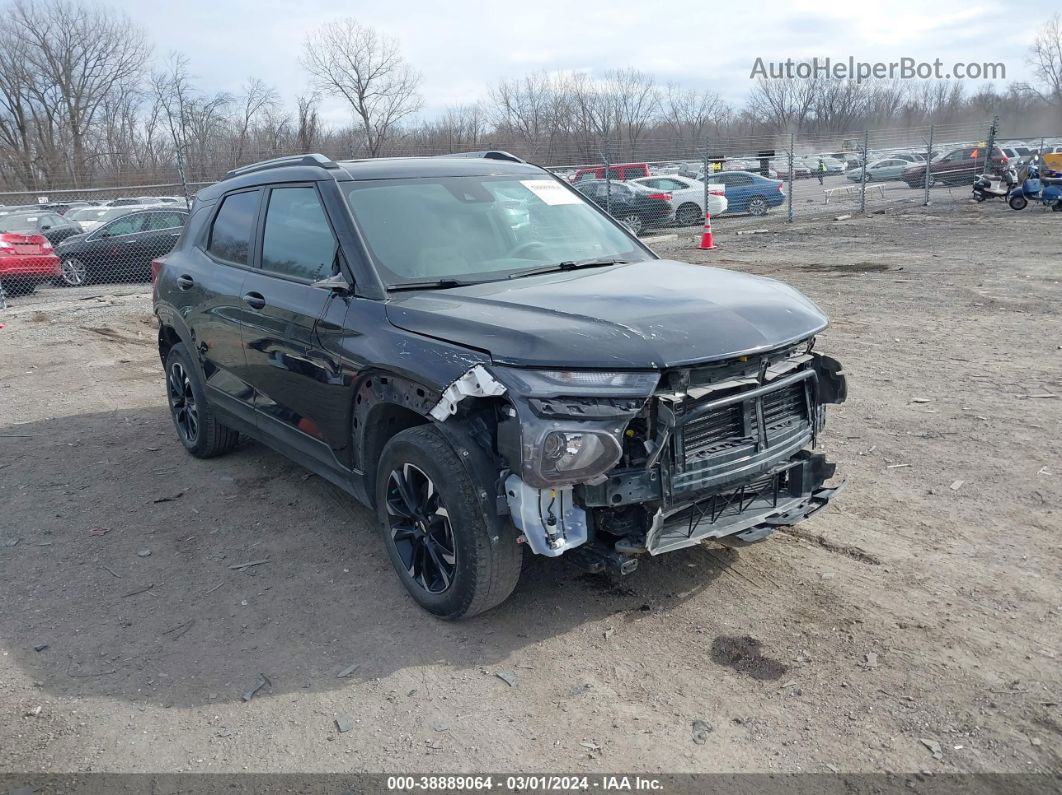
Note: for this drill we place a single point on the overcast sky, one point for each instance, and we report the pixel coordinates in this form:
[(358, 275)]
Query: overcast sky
[(462, 47)]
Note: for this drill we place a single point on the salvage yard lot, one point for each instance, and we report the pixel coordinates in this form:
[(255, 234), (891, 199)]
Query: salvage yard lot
[(912, 626)]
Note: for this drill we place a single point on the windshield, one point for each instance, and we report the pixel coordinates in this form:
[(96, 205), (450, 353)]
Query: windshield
[(18, 223), (480, 228)]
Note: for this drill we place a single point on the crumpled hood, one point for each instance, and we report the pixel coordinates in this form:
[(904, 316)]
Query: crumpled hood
[(652, 314)]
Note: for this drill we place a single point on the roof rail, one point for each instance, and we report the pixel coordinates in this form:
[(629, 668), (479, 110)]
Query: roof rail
[(493, 154), (280, 162)]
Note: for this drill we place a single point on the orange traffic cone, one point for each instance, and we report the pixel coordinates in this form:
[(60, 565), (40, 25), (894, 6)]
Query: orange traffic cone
[(706, 238)]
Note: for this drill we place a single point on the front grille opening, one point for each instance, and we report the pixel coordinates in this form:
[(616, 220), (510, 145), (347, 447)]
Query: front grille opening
[(736, 426)]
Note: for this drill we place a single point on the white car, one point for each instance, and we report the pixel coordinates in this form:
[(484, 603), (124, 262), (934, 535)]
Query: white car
[(687, 197)]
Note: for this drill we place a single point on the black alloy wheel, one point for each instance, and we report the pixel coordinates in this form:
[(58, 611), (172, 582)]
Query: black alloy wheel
[(420, 529), (183, 404)]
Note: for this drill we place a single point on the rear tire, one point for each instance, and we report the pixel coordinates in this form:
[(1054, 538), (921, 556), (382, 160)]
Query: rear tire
[(689, 214), (193, 418), (434, 528), (75, 273), (757, 206), (633, 222)]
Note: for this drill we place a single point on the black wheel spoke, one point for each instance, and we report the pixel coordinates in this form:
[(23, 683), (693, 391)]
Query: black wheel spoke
[(182, 403), (420, 529)]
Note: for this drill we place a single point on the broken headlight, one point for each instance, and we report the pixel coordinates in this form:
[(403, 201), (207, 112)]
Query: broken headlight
[(550, 443), (573, 383)]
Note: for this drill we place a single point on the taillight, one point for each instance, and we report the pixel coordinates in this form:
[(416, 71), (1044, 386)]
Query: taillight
[(156, 266), (663, 196), (779, 186)]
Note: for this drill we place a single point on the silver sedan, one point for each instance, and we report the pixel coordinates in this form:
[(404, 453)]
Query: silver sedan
[(880, 170)]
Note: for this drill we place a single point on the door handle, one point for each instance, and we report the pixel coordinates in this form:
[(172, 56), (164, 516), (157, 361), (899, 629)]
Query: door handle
[(254, 300), (185, 282)]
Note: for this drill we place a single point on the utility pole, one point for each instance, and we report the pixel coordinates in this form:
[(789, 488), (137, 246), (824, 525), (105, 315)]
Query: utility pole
[(992, 131), (706, 174), (863, 174), (608, 178), (789, 198), (929, 159)]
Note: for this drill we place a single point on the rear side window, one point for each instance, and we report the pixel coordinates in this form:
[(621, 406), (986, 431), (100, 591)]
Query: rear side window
[(230, 235), (163, 221), (298, 240)]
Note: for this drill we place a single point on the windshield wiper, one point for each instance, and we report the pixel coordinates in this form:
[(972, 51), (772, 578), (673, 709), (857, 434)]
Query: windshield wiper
[(569, 265), (437, 284)]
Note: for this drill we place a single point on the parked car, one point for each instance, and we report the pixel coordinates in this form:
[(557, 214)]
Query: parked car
[(17, 209), (64, 207), (121, 249), (687, 196), (880, 170), (556, 388), (618, 171), (89, 218), (833, 165), (749, 193), (26, 257), (780, 167), (53, 226), (634, 205), (131, 201), (957, 167)]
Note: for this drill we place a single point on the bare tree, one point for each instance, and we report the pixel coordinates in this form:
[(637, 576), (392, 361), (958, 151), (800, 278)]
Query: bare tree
[(689, 113), (523, 110), (81, 56), (256, 98), (309, 131), (635, 102), (353, 61), (785, 104), (17, 150), (1045, 57)]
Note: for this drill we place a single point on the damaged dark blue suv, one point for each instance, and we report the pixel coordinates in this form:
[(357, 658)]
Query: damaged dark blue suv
[(493, 363)]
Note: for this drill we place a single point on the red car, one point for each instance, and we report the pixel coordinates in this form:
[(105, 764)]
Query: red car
[(25, 262), (958, 167), (619, 171)]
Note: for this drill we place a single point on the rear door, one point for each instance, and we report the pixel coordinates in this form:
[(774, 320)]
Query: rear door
[(299, 394), (209, 278)]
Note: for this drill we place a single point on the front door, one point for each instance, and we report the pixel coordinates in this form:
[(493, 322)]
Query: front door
[(299, 395)]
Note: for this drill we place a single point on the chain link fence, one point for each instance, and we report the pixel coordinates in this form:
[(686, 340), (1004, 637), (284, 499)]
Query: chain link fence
[(73, 238)]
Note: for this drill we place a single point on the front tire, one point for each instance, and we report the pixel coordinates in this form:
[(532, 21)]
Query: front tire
[(435, 531), (1017, 202), (197, 426)]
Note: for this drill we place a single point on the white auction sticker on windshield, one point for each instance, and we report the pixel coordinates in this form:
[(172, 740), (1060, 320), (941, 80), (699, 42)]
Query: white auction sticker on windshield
[(551, 192)]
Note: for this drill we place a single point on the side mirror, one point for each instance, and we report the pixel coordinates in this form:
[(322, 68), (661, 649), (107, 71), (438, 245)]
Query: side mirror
[(45, 227), (337, 283)]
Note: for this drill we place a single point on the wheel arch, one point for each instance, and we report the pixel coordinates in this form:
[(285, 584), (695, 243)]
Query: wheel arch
[(384, 404)]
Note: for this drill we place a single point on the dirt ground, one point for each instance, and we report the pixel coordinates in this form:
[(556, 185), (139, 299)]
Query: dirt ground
[(912, 626)]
